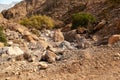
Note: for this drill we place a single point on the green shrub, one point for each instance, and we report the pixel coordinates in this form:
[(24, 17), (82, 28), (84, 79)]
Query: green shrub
[(2, 36), (82, 20), (38, 22)]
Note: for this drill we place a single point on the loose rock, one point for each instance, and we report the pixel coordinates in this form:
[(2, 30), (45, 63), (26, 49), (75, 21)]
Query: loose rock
[(14, 51), (49, 56), (58, 36)]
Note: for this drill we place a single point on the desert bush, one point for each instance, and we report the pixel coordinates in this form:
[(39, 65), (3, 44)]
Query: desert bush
[(2, 36), (82, 20), (38, 22)]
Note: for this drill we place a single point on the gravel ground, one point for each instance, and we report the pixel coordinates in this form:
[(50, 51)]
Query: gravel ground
[(96, 63)]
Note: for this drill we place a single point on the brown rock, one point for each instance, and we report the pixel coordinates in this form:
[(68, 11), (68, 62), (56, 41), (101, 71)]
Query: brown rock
[(49, 56), (81, 30), (66, 28), (77, 37), (118, 23), (96, 37), (100, 25), (20, 30), (43, 65), (29, 38), (70, 36), (1, 45), (28, 57), (27, 33), (113, 39), (44, 44), (58, 36)]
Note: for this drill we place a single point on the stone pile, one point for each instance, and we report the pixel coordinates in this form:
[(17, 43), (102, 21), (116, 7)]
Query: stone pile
[(23, 45)]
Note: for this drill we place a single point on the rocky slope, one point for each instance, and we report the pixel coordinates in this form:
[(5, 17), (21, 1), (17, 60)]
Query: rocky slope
[(63, 9), (56, 9), (50, 57), (57, 55)]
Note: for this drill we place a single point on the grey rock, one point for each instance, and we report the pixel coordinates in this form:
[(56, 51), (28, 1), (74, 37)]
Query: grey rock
[(14, 51), (66, 45)]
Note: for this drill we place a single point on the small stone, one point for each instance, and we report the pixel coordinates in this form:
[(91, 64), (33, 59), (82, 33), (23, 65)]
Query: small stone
[(10, 43), (116, 56), (8, 78), (49, 56), (43, 65)]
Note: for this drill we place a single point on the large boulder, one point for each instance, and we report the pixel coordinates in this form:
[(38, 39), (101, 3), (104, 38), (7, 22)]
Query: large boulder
[(70, 35), (58, 36), (15, 51), (113, 39)]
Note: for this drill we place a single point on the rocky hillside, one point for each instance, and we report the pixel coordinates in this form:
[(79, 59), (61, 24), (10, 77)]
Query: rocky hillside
[(56, 9), (31, 53), (63, 9), (50, 57)]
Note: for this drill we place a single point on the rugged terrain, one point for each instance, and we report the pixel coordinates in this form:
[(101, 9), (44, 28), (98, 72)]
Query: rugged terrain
[(61, 54)]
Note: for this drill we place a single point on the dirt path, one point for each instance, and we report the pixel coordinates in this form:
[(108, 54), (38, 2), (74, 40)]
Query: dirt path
[(98, 63)]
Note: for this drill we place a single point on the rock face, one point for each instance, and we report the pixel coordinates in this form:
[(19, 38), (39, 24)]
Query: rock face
[(113, 39), (58, 36), (57, 9)]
